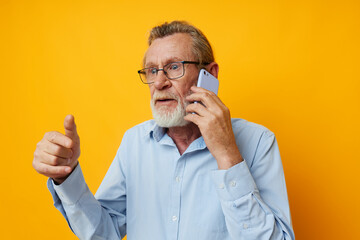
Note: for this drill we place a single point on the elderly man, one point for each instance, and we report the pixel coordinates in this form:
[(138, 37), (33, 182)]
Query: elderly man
[(191, 173)]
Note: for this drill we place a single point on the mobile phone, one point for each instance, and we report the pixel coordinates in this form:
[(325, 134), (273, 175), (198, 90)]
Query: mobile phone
[(208, 81)]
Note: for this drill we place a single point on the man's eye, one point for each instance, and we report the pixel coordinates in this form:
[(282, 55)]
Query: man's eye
[(152, 71), (174, 66)]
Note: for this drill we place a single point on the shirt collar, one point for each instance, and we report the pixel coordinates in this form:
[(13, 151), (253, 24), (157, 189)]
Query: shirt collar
[(158, 133)]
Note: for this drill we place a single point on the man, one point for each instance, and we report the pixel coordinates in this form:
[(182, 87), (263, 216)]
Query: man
[(191, 173)]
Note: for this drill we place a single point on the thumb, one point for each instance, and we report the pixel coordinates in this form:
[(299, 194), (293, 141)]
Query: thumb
[(70, 127)]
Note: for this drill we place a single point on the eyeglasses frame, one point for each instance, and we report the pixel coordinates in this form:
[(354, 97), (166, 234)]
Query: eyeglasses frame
[(142, 71)]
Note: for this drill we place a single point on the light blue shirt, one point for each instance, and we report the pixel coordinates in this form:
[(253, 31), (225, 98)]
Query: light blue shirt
[(152, 192)]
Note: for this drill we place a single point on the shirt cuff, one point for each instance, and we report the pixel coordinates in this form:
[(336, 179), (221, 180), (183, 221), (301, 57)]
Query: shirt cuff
[(72, 188), (234, 183)]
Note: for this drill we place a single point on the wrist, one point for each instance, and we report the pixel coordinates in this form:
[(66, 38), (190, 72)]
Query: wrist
[(60, 180), (229, 160)]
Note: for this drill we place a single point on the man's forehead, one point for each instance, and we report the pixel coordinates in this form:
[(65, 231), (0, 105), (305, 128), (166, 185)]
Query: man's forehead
[(163, 61), (176, 47)]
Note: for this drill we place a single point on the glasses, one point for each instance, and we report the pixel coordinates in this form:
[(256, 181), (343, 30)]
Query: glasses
[(172, 70)]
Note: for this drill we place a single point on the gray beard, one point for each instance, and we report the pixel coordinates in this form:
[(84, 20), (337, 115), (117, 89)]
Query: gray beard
[(169, 117)]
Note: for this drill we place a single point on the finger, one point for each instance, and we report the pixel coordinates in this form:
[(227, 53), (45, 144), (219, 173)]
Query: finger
[(197, 108), (194, 118), (207, 98), (51, 171), (197, 89), (57, 150), (54, 160), (59, 139), (70, 127)]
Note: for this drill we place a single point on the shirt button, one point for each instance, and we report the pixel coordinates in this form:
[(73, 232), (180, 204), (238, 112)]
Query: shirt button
[(174, 218), (178, 179), (233, 183), (245, 226), (221, 186)]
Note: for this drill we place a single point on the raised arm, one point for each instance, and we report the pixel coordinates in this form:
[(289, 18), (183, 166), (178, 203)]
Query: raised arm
[(56, 156)]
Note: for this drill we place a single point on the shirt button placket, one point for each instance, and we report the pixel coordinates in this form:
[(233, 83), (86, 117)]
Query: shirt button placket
[(176, 196)]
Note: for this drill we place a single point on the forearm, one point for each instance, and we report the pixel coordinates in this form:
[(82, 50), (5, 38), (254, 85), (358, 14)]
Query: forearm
[(85, 215), (229, 157), (246, 214), (250, 218)]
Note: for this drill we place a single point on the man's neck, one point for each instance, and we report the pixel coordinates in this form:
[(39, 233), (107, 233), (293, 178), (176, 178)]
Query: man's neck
[(184, 136)]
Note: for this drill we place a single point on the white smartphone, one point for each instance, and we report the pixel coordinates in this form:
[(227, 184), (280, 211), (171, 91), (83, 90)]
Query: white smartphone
[(208, 81)]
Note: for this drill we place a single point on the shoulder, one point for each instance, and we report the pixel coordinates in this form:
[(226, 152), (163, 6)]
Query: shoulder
[(242, 126), (251, 138), (142, 129), (136, 136)]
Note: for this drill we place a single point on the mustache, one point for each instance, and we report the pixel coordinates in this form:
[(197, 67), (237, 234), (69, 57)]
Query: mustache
[(164, 95), (167, 95)]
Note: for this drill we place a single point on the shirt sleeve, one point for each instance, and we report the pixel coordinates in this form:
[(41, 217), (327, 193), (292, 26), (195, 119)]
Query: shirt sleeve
[(85, 215), (254, 199)]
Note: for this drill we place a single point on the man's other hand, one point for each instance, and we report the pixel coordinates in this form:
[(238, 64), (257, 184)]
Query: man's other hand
[(56, 155)]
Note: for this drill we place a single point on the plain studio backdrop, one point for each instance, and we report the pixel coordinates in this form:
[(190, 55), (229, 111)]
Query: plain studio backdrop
[(292, 66)]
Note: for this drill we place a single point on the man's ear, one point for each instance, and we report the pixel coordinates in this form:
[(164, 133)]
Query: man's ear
[(213, 68)]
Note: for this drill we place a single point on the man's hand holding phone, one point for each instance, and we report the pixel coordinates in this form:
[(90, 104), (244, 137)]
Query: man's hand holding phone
[(214, 121)]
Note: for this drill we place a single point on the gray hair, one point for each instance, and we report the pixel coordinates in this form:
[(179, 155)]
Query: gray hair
[(201, 47)]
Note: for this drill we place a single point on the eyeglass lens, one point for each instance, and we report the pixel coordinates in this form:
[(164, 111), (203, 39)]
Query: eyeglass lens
[(171, 70)]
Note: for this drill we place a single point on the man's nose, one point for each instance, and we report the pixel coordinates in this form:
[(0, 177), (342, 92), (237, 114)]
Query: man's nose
[(161, 81)]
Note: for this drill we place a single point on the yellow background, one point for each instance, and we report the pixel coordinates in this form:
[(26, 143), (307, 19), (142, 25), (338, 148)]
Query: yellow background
[(292, 66)]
